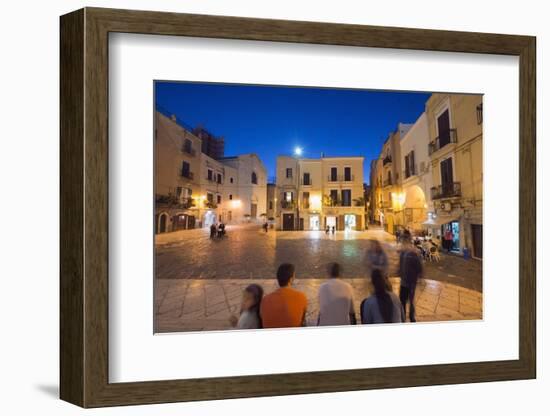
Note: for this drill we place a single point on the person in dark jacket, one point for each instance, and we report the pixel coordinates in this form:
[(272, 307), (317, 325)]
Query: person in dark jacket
[(410, 270)]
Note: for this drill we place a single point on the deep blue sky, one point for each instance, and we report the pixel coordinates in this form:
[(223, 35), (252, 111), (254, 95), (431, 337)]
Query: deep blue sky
[(273, 120)]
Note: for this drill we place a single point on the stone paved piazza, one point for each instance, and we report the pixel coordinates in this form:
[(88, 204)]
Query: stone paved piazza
[(199, 281)]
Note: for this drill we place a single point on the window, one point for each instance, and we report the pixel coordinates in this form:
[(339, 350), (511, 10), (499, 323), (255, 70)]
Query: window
[(410, 168), (305, 200), (334, 196), (254, 178), (288, 196), (270, 204), (346, 197), (231, 179), (447, 174), (444, 129), (185, 170), (289, 172), (219, 199), (210, 173), (179, 191), (210, 197), (230, 197), (307, 179), (187, 148), (219, 178), (479, 111), (333, 174), (347, 174)]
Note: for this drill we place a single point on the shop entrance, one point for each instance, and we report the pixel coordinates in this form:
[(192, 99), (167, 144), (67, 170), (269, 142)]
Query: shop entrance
[(331, 222), (350, 222), (454, 228), (314, 222)]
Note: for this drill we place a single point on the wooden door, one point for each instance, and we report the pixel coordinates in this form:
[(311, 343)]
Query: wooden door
[(477, 238), (288, 222)]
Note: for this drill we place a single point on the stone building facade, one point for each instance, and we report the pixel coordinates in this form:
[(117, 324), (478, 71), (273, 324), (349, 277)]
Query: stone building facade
[(314, 194), (194, 189), (455, 123)]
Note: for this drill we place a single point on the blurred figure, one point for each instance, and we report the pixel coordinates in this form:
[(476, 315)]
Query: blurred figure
[(382, 307), (249, 317), (376, 257), (286, 307), (336, 300), (410, 270), (448, 239), (213, 229), (265, 226), (221, 230)]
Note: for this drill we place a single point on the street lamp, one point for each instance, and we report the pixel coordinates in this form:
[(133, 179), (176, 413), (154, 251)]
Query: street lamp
[(298, 152)]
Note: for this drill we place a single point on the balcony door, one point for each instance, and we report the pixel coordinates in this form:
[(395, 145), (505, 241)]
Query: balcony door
[(444, 128), (447, 176)]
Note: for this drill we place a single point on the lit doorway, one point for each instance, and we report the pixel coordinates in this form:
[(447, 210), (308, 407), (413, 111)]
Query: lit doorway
[(350, 222), (455, 228), (314, 222), (209, 218), (331, 222)]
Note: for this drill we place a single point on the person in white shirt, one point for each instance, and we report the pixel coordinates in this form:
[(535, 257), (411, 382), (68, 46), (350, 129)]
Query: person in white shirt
[(336, 300)]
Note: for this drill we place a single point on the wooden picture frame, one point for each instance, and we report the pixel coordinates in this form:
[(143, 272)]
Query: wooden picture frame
[(84, 207)]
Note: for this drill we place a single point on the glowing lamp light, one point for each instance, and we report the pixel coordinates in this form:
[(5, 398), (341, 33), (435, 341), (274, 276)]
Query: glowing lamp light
[(235, 203), (315, 202)]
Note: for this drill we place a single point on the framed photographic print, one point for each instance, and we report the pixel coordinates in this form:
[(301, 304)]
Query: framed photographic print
[(256, 207)]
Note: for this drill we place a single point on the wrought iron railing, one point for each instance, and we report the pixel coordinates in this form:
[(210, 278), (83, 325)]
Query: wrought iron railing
[(442, 140), (341, 178), (447, 190)]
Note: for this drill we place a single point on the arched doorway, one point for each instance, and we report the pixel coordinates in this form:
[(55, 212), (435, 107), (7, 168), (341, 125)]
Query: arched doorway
[(415, 211), (162, 223)]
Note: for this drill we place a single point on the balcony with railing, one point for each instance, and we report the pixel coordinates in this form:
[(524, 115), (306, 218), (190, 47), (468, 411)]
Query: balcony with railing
[(172, 201), (442, 140), (306, 182), (386, 160), (288, 205), (447, 190), (187, 174), (341, 178), (387, 182)]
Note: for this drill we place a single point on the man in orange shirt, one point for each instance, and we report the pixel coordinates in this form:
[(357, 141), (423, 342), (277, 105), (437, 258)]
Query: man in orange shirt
[(286, 307)]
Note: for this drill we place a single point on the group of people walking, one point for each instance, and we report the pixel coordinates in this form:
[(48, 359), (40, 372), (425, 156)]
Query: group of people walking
[(287, 307), (217, 230)]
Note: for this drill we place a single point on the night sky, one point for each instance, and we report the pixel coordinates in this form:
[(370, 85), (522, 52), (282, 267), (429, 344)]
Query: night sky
[(273, 120)]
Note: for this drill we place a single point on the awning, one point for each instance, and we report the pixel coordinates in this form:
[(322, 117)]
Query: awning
[(440, 220)]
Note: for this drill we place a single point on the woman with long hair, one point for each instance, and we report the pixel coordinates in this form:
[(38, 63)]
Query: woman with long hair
[(249, 317), (383, 306)]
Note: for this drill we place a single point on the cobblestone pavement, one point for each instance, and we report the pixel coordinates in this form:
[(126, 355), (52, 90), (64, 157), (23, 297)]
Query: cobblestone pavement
[(249, 253), (206, 304)]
